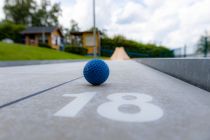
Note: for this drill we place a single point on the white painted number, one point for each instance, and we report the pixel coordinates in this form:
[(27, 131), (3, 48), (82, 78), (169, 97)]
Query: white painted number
[(147, 111), (144, 111), (75, 106)]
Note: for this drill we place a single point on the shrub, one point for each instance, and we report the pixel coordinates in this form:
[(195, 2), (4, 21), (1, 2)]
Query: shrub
[(76, 50), (44, 45), (11, 30)]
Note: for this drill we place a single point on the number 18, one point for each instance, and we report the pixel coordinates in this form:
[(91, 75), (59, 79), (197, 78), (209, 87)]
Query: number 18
[(147, 111)]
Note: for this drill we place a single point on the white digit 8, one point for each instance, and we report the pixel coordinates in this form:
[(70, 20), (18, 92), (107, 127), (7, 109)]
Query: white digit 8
[(148, 112)]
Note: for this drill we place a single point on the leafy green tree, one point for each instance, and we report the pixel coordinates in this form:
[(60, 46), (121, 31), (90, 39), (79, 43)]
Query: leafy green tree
[(74, 27), (119, 39), (11, 30), (28, 12), (19, 11), (203, 44), (54, 13), (46, 14)]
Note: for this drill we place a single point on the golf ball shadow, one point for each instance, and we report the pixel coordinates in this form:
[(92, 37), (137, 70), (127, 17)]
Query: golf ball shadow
[(96, 72)]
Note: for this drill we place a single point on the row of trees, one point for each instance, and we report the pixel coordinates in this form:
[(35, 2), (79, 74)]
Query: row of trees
[(133, 48), (20, 14), (30, 13)]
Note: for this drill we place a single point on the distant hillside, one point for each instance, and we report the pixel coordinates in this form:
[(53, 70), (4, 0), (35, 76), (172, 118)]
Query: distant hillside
[(23, 52)]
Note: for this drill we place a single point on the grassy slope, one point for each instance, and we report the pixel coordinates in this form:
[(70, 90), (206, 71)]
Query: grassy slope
[(23, 52)]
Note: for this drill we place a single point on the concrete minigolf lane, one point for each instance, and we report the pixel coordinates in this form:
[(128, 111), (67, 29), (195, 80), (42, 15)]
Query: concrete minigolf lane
[(137, 102)]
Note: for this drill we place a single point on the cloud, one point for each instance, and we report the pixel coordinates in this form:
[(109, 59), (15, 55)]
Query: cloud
[(131, 13), (172, 23), (1, 10)]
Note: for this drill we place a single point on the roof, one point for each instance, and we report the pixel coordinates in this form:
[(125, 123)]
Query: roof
[(80, 33), (36, 30)]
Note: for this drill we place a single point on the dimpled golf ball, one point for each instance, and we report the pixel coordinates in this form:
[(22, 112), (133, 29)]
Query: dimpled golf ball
[(96, 72)]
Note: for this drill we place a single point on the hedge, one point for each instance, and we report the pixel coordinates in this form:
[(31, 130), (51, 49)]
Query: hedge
[(133, 48), (45, 45), (76, 50)]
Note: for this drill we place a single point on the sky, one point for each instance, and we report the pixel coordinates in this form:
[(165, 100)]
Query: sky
[(173, 23)]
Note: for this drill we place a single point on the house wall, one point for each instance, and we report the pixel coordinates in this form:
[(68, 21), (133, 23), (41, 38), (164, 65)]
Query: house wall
[(29, 41), (90, 48), (51, 43), (49, 38), (36, 40)]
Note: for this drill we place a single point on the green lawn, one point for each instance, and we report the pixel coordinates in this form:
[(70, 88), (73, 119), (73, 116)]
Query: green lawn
[(23, 52)]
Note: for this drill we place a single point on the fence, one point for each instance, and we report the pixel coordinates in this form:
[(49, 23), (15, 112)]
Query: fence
[(190, 51)]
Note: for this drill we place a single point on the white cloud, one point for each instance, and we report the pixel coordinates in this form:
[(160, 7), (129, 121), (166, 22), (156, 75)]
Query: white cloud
[(132, 13), (1, 10), (171, 22)]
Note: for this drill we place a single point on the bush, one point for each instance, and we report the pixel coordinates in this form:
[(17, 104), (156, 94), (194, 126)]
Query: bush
[(44, 45), (76, 50), (11, 30)]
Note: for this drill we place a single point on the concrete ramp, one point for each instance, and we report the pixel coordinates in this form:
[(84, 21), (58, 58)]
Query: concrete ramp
[(120, 54)]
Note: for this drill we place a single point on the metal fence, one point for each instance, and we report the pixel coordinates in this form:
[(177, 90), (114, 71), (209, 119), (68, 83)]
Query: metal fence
[(191, 51), (201, 49)]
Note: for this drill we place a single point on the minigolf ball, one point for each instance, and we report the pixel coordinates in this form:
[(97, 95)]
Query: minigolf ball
[(96, 72)]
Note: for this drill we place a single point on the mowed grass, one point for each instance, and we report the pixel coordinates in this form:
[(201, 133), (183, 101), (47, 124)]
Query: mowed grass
[(10, 52)]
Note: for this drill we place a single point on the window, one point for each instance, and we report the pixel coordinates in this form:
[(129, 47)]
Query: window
[(40, 37), (89, 40)]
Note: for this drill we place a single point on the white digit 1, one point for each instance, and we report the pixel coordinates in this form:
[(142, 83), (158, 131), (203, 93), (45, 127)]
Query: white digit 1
[(147, 111), (73, 108)]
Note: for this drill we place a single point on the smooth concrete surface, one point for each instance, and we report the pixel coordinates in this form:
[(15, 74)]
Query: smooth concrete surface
[(195, 71), (186, 108), (33, 62), (20, 81)]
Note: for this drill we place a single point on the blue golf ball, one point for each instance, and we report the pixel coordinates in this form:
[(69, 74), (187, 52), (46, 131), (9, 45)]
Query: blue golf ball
[(96, 72)]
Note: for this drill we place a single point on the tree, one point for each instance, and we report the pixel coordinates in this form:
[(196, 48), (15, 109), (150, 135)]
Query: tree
[(119, 39), (74, 27), (11, 30), (19, 11), (54, 13), (204, 45), (46, 14), (28, 12)]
